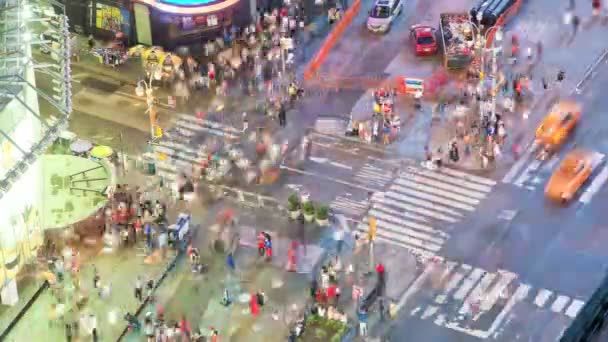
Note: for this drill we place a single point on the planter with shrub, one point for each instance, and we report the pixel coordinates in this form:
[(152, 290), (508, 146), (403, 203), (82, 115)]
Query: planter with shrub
[(293, 206), (322, 215), (308, 211)]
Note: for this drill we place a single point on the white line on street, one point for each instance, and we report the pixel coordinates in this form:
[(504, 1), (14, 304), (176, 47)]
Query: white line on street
[(449, 267), (520, 294), (430, 311), (447, 179), (468, 283), (373, 176), (522, 178), (421, 203), (340, 165), (411, 208), (551, 163), (436, 190), (417, 284), (416, 245), (212, 124), (468, 177), (420, 226), (560, 303), (201, 129), (444, 186), (490, 299), (574, 308), (336, 180), (478, 292), (595, 186), (514, 170), (457, 278), (432, 198), (398, 227), (542, 297)]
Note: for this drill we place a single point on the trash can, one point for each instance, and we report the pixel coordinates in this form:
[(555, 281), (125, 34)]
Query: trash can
[(150, 167)]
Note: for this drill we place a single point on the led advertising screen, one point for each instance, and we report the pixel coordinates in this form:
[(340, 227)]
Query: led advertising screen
[(187, 3)]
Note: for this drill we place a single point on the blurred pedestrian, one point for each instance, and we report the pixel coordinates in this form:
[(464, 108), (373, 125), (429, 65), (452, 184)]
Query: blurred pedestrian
[(139, 288), (230, 262), (282, 115)]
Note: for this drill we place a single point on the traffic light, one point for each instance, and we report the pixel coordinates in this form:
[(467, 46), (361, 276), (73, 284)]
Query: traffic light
[(372, 228)]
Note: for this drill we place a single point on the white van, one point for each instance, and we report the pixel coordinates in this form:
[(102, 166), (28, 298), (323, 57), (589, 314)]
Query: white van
[(382, 15)]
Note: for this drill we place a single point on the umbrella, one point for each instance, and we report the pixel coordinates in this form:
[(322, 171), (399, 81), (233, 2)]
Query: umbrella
[(101, 151), (81, 146)]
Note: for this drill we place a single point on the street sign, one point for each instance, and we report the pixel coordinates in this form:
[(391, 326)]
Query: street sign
[(286, 43), (171, 102), (372, 228)]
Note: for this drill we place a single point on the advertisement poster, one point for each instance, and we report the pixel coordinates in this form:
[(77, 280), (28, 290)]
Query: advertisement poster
[(112, 18)]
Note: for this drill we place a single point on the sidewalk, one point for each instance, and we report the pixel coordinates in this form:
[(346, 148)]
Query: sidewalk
[(569, 59)]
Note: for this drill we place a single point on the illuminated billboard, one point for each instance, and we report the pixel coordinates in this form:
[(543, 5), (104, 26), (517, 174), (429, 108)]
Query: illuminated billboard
[(188, 3)]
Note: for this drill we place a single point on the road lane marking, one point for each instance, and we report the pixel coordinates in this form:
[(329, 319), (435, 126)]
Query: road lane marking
[(468, 177), (436, 190), (560, 303), (520, 294), (542, 297), (409, 242), (444, 186), (514, 170), (468, 283), (457, 278), (384, 220), (430, 311), (416, 225), (417, 284), (574, 308), (491, 298), (203, 129), (477, 294), (340, 165), (413, 208), (421, 203), (212, 124), (595, 186), (447, 179), (332, 179), (432, 198)]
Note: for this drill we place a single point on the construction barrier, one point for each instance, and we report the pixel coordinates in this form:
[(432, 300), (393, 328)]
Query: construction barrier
[(315, 64), (510, 12)]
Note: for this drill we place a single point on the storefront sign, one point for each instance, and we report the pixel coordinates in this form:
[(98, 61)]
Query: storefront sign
[(212, 20), (112, 18)]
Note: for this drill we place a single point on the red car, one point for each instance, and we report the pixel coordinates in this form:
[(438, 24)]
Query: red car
[(425, 43)]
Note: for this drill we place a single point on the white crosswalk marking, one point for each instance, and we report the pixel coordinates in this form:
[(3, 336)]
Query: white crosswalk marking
[(411, 209), (177, 149), (476, 292)]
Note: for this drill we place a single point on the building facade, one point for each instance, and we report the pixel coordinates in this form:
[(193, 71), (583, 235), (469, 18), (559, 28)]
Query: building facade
[(167, 23)]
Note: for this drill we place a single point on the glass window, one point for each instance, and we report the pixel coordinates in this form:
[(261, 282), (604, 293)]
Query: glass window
[(425, 40), (381, 12)]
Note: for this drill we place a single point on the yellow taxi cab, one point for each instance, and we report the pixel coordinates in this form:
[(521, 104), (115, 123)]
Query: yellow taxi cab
[(556, 126), (572, 173)]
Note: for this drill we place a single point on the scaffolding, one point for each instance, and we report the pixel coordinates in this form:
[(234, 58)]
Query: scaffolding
[(17, 21)]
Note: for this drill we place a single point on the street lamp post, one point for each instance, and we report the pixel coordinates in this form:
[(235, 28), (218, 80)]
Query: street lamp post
[(494, 49), (145, 88)]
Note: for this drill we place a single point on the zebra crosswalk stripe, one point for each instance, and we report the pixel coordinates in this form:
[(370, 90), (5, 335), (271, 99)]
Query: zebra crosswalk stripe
[(408, 212), (472, 287), (178, 152)]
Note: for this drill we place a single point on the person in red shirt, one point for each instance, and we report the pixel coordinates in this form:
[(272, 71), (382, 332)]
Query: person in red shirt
[(253, 305)]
